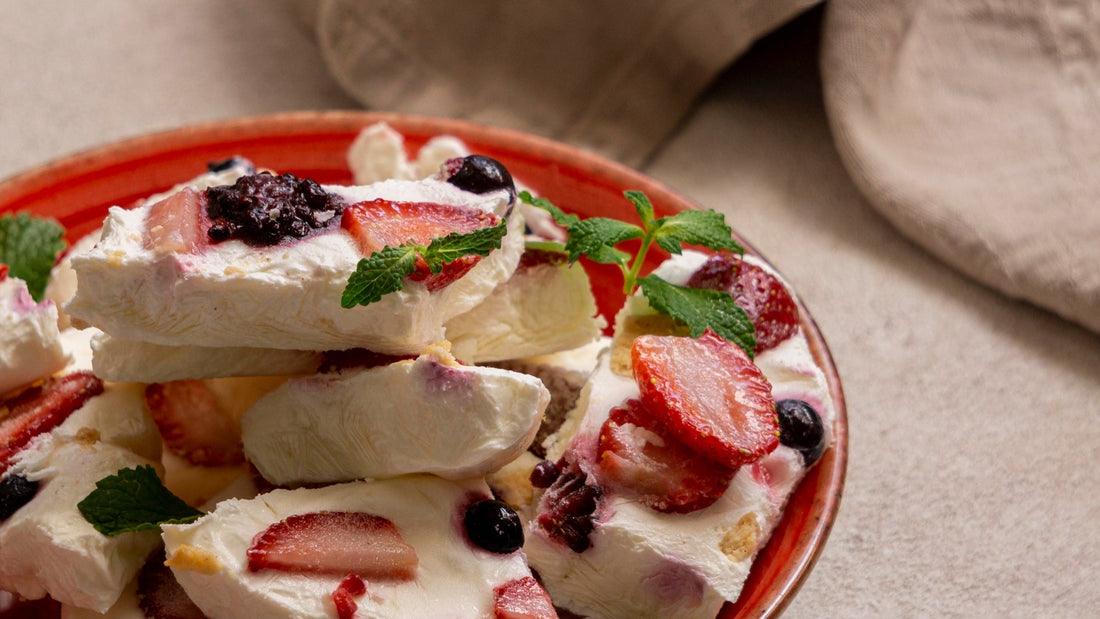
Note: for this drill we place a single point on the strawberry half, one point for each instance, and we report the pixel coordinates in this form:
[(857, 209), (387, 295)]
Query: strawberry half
[(638, 456), (192, 424), (379, 223), (522, 598), (709, 394), (366, 545), (174, 225), (42, 408), (763, 297)]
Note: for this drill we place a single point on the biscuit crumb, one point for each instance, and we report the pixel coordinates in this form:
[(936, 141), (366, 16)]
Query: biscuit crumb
[(740, 540), (194, 559), (86, 436)]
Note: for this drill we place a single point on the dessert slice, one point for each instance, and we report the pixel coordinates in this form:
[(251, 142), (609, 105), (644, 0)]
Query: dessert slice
[(423, 415), (264, 263), (676, 458), (408, 547), (30, 344)]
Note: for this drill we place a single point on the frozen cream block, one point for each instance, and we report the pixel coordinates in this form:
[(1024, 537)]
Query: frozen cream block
[(48, 548), (30, 343), (633, 507), (134, 360), (547, 306), (392, 548), (157, 276), (428, 415)]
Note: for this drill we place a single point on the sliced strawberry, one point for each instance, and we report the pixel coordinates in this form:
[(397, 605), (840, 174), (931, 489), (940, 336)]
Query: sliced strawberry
[(709, 394), (522, 598), (763, 297), (192, 424), (40, 409), (366, 545), (174, 225), (379, 223), (637, 455), (3, 271), (344, 597)]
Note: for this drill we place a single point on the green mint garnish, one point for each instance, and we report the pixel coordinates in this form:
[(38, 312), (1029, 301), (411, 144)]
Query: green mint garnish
[(385, 271), (133, 500), (29, 246), (700, 310)]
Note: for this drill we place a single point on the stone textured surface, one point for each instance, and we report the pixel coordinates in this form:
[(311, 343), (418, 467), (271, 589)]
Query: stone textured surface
[(972, 485)]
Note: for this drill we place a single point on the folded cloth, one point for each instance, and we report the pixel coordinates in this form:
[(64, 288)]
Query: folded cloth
[(613, 76), (974, 126)]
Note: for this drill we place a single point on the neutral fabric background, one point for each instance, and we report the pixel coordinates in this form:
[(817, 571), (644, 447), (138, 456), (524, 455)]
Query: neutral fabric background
[(972, 487)]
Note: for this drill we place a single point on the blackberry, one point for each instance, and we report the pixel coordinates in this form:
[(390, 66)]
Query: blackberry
[(263, 209), (15, 492), (800, 428), (479, 174), (494, 526)]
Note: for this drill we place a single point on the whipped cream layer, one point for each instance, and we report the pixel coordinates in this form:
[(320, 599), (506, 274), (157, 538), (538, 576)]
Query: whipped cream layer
[(665, 564), (454, 578), (428, 415), (30, 343), (47, 547), (285, 296)]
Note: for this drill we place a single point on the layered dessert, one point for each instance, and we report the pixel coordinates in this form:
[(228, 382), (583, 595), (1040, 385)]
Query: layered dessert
[(368, 409)]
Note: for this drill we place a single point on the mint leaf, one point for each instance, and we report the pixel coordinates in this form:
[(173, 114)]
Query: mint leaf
[(590, 236), (133, 500), (29, 246), (379, 274), (457, 245), (643, 206), (560, 216), (701, 310), (706, 228)]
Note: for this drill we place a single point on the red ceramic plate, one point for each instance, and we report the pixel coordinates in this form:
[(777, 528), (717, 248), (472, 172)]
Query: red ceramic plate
[(77, 191)]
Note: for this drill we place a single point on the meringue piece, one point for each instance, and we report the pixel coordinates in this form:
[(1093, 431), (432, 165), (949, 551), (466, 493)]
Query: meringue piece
[(428, 415), (284, 296), (209, 556), (30, 344), (378, 153)]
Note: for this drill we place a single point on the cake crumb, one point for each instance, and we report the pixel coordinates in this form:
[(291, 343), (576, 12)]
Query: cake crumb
[(740, 540), (634, 326), (194, 559)]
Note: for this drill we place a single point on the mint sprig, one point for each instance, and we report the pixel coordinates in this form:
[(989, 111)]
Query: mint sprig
[(29, 246), (700, 310), (384, 271), (133, 500)]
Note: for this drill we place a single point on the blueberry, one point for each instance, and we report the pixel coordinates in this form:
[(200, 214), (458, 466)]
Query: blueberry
[(225, 164), (479, 174), (494, 526), (544, 474), (15, 492), (800, 428)]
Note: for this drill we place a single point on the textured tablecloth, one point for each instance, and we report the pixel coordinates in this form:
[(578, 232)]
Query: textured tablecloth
[(972, 485)]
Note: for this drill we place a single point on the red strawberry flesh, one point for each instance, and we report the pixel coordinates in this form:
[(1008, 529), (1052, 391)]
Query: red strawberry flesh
[(192, 424), (366, 545), (638, 456), (764, 298), (42, 408), (379, 223), (709, 394), (344, 597), (522, 598), (174, 225)]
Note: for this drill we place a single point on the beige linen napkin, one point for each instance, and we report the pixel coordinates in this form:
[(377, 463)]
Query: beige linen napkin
[(974, 126), (614, 76)]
